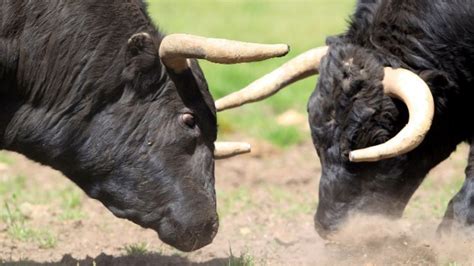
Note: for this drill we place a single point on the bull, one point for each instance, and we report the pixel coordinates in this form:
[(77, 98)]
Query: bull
[(393, 101), (94, 90)]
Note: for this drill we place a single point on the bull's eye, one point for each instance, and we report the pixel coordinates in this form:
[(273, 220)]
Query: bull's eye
[(188, 120)]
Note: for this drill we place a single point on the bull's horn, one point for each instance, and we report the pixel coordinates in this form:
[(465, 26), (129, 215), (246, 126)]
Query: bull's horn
[(298, 68), (176, 48), (225, 150), (411, 89)]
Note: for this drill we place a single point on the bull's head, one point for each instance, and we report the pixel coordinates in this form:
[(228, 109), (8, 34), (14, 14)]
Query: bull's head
[(357, 104), (148, 155)]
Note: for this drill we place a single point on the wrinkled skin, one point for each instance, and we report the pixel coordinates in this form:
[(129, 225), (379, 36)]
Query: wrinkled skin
[(78, 95), (348, 110)]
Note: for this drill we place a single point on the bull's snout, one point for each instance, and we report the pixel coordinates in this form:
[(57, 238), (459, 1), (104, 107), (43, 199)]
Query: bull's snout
[(188, 236), (325, 225), (322, 228)]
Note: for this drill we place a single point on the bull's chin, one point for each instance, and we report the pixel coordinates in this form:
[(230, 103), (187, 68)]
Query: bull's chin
[(185, 240), (174, 235), (325, 232), (187, 243)]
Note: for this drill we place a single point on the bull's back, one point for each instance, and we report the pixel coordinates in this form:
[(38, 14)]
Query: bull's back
[(425, 34), (449, 35)]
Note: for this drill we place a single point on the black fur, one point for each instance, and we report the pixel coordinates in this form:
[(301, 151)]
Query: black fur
[(348, 110), (76, 95)]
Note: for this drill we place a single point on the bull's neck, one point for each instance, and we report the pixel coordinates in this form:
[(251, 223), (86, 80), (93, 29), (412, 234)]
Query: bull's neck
[(49, 134), (54, 98)]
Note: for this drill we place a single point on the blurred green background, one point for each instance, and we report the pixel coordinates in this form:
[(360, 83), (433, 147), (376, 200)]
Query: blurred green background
[(304, 24)]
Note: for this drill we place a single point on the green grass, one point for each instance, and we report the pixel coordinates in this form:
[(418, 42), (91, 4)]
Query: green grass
[(71, 204), (435, 203), (45, 239), (233, 201), (304, 24), (14, 192), (244, 259), (236, 200), (11, 192), (18, 229), (13, 186), (453, 263), (14, 189), (136, 249), (290, 204), (5, 158), (283, 136)]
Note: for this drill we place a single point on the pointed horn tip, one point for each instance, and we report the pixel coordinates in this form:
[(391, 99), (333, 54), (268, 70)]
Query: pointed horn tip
[(243, 148), (226, 150), (274, 50), (285, 49)]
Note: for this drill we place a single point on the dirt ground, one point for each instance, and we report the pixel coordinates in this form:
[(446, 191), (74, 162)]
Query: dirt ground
[(266, 202)]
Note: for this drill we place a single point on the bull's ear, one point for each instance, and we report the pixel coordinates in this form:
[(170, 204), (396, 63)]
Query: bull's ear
[(141, 55)]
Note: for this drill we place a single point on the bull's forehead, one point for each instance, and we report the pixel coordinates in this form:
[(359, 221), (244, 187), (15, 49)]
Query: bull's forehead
[(348, 93)]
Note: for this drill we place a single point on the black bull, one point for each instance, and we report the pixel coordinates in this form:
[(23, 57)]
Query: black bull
[(84, 89), (349, 111), (432, 43)]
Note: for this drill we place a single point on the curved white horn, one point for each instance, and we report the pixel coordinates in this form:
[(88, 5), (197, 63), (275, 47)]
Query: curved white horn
[(298, 68), (176, 48), (224, 150), (415, 93)]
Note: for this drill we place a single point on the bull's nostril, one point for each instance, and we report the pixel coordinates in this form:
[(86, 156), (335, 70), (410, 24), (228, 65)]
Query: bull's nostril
[(215, 225), (212, 227)]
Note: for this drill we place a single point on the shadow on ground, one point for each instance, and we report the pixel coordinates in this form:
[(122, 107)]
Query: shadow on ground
[(138, 260)]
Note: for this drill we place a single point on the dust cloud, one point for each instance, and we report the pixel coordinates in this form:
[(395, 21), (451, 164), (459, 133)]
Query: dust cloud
[(369, 240)]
